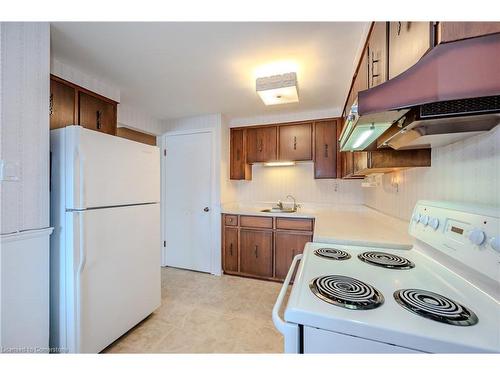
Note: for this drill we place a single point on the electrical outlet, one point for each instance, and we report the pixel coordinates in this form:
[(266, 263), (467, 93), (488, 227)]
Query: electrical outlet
[(9, 171)]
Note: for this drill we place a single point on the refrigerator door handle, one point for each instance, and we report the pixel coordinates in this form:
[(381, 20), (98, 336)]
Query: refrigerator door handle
[(80, 161), (82, 255)]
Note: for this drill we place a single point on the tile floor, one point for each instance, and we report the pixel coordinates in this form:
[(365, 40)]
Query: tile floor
[(202, 313)]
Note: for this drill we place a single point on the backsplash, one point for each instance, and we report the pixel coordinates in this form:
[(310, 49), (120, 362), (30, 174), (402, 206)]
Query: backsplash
[(466, 171), (270, 184)]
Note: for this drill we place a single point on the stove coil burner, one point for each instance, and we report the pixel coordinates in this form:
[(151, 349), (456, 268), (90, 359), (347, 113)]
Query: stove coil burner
[(331, 253), (435, 306), (386, 260), (346, 292)]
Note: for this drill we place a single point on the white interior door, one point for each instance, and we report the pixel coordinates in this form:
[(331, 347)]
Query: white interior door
[(188, 185)]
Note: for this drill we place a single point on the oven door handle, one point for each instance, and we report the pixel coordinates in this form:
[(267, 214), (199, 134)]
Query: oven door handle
[(287, 329)]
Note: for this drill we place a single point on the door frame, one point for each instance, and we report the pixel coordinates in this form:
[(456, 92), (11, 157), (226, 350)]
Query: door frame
[(215, 255)]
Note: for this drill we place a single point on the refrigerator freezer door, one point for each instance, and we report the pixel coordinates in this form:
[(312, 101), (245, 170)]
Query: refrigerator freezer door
[(117, 281), (103, 170)]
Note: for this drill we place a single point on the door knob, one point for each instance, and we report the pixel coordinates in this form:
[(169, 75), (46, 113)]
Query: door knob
[(206, 209)]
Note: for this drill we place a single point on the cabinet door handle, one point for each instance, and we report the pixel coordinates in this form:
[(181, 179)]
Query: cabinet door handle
[(326, 150), (373, 61), (399, 28), (294, 143), (51, 104), (260, 145), (256, 251), (98, 119), (231, 249)]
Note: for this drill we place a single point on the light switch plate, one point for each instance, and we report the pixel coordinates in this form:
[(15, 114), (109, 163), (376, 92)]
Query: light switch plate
[(9, 170)]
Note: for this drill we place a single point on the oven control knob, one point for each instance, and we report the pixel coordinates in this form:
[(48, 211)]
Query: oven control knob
[(434, 223), (495, 243), (476, 236), (416, 217), (424, 219)]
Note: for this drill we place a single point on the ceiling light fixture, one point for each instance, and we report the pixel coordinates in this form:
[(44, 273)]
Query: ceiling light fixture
[(278, 89)]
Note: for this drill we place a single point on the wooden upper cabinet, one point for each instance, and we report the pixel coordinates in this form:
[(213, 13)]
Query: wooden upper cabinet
[(97, 114), (71, 104), (451, 31), (408, 42), (287, 246), (351, 162), (361, 80), (377, 54), (389, 160), (231, 249), (326, 150), (239, 169), (295, 142), (261, 144), (256, 252), (135, 135), (62, 105)]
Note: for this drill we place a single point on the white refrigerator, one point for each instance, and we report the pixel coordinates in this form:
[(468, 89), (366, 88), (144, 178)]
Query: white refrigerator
[(105, 249)]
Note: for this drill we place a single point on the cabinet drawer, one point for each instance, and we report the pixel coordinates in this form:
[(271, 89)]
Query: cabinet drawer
[(294, 224), (231, 220), (256, 222)]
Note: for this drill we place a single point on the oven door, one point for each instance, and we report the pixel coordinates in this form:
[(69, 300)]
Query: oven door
[(321, 341), (290, 331)]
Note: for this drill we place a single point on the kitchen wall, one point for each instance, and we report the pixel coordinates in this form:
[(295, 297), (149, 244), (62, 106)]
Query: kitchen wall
[(466, 171), (269, 184), (128, 115), (24, 130), (135, 118)]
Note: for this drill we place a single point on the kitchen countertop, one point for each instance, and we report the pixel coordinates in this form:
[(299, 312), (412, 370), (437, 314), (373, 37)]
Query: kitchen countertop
[(342, 224)]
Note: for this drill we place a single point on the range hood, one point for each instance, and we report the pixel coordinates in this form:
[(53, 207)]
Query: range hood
[(451, 93)]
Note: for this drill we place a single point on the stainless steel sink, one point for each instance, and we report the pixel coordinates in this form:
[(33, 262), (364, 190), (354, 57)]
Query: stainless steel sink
[(279, 210)]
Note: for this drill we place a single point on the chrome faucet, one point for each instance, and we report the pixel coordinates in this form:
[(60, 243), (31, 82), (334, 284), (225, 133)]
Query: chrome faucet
[(280, 205), (295, 205)]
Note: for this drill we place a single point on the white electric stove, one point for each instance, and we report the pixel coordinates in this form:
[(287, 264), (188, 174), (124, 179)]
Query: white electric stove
[(441, 296)]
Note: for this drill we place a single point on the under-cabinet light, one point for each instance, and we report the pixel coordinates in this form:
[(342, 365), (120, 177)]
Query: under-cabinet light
[(363, 135), (279, 163), (362, 138)]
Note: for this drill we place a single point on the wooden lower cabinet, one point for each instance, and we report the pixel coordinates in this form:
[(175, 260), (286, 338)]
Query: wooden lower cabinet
[(231, 249), (256, 252), (264, 253), (286, 247)]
